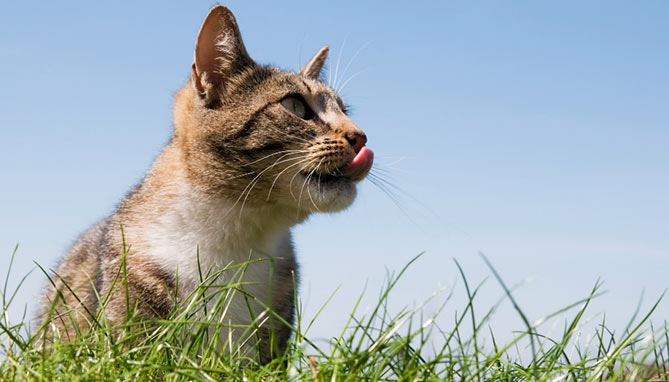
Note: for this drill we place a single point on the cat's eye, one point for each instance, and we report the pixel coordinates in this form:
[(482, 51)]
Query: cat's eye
[(297, 106)]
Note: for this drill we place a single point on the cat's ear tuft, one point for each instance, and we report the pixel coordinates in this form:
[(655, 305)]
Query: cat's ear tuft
[(313, 68), (219, 51)]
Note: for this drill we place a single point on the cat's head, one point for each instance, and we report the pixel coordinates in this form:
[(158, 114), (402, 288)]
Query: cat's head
[(257, 134)]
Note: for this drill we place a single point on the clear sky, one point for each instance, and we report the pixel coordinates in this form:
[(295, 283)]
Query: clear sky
[(535, 132)]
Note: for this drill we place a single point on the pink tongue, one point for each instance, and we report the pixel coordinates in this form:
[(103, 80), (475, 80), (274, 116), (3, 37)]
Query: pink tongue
[(360, 165)]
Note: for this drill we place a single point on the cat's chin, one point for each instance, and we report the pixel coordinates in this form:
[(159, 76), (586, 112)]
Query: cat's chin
[(327, 195), (335, 197), (335, 191)]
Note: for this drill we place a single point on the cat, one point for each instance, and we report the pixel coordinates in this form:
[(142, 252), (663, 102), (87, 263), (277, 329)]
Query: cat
[(255, 150)]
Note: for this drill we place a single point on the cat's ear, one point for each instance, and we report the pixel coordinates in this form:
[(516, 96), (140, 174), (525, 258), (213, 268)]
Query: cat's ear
[(219, 51), (313, 68)]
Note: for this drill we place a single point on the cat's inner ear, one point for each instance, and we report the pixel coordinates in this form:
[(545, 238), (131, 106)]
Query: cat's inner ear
[(219, 51), (313, 68)]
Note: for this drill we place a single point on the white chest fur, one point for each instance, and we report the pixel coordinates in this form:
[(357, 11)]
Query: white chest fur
[(200, 234)]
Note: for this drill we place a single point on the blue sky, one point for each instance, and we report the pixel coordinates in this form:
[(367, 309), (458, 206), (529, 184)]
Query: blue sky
[(535, 132)]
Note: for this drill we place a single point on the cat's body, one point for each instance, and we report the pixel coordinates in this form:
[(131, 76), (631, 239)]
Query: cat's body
[(255, 150)]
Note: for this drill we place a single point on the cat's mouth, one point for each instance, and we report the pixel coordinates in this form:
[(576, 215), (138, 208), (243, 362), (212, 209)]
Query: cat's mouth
[(355, 170), (358, 168)]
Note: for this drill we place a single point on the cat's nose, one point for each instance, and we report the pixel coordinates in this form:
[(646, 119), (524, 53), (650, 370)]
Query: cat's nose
[(357, 139)]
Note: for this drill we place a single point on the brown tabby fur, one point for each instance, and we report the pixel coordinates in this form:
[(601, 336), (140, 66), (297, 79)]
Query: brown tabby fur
[(238, 172)]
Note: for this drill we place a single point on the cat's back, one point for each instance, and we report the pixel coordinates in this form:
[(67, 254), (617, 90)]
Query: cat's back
[(71, 290)]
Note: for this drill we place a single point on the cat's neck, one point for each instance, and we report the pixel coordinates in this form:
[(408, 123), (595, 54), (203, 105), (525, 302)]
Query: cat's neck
[(180, 219)]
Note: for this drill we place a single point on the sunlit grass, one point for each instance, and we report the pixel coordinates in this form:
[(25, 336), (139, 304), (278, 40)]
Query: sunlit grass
[(376, 345)]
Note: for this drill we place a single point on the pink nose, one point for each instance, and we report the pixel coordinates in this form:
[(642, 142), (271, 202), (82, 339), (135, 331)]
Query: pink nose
[(357, 139)]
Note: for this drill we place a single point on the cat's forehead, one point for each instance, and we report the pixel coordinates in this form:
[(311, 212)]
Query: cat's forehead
[(310, 88)]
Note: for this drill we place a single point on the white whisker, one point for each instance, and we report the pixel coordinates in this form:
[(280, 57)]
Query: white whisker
[(319, 191), (334, 84), (306, 180), (282, 171), (252, 182), (343, 74), (257, 179), (276, 153), (341, 88), (290, 185), (383, 185)]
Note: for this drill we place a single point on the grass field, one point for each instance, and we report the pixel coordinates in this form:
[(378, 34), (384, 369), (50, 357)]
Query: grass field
[(374, 346)]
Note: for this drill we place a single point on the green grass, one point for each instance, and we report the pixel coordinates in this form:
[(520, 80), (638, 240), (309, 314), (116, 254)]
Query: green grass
[(373, 346)]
